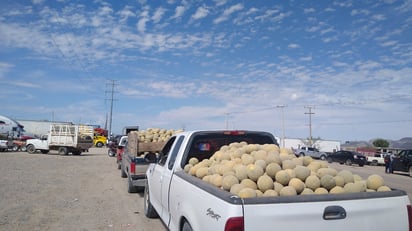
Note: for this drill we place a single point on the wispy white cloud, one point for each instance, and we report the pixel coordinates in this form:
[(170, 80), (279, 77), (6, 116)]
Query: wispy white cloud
[(228, 12), (179, 11), (158, 14), (200, 13)]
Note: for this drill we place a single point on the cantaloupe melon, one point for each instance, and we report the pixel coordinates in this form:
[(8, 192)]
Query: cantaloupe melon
[(187, 168), (282, 177), (247, 193), (297, 184), (321, 191), (193, 161), (228, 181), (277, 187), (201, 172), (374, 182), (261, 163), (337, 190), (264, 183), (272, 169), (254, 172), (327, 182), (307, 191), (302, 172), (241, 172), (347, 175), (384, 188), (247, 159), (312, 182), (339, 180), (270, 193), (249, 183), (288, 164), (236, 188), (288, 191)]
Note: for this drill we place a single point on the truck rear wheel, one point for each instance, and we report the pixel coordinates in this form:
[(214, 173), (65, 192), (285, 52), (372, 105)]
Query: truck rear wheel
[(122, 172), (186, 226), (77, 152), (130, 187), (63, 151), (44, 151), (149, 210), (31, 149)]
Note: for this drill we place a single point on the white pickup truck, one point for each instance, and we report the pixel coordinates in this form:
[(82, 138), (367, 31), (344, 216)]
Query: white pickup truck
[(185, 202)]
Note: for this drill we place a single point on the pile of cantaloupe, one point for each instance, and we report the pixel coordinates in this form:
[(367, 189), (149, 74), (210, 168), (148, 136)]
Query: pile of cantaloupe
[(252, 170), (156, 134)]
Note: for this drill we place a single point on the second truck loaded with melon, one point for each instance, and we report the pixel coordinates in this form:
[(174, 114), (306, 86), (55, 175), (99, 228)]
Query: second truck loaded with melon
[(241, 180)]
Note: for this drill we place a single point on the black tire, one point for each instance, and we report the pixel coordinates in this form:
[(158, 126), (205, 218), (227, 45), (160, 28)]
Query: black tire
[(99, 144), (110, 153), (130, 187), (361, 164), (348, 162), (77, 152), (302, 154), (23, 148), (15, 148), (31, 149), (149, 210), (63, 151), (44, 151), (329, 159), (186, 226), (122, 172), (374, 163)]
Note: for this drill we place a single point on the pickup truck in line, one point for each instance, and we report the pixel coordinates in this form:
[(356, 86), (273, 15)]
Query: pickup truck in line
[(185, 202), (309, 151), (377, 159), (403, 162), (135, 159)]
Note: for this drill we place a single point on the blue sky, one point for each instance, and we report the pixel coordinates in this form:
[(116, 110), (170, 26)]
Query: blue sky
[(212, 65)]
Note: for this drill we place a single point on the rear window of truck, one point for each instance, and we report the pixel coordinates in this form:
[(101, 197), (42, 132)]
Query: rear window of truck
[(204, 145)]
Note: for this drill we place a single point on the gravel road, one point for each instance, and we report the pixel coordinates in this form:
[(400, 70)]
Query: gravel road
[(55, 192)]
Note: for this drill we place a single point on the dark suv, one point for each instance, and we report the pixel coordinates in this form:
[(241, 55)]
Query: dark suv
[(403, 162), (347, 157)]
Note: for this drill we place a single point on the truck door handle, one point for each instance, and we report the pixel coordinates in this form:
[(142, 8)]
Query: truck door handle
[(334, 212)]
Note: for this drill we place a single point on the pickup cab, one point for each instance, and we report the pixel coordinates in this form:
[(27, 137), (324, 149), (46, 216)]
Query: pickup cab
[(184, 202), (403, 162)]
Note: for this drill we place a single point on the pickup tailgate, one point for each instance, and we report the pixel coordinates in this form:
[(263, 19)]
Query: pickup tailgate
[(357, 211)]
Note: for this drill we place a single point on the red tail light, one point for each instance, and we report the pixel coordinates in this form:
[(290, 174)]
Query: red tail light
[(409, 208), (235, 224), (133, 168)]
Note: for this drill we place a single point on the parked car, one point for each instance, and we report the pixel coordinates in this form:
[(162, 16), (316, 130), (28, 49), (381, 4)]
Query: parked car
[(310, 151), (347, 157)]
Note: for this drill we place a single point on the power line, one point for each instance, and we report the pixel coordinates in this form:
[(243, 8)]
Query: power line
[(310, 113), (111, 91)]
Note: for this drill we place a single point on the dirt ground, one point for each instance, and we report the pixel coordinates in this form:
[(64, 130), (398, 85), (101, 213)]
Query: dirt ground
[(55, 192)]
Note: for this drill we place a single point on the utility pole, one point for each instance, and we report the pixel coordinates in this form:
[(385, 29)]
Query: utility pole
[(283, 124), (310, 113), (111, 91)]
